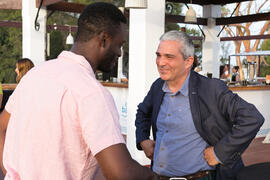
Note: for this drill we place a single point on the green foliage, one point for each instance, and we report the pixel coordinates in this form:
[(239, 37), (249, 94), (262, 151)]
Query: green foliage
[(56, 45), (10, 51), (10, 46), (265, 70)]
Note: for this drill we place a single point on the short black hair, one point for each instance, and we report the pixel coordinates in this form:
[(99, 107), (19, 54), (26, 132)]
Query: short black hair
[(236, 68), (99, 17)]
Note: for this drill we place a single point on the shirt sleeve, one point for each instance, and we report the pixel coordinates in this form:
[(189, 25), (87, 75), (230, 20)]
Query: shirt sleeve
[(99, 121), (10, 103)]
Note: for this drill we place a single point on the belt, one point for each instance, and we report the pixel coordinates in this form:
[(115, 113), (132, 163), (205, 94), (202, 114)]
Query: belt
[(194, 176)]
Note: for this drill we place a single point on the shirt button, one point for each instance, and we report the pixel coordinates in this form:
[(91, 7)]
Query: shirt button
[(172, 96), (161, 166), (169, 115), (162, 149), (166, 131)]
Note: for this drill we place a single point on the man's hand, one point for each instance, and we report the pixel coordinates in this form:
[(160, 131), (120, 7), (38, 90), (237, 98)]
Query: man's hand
[(148, 147), (209, 156)]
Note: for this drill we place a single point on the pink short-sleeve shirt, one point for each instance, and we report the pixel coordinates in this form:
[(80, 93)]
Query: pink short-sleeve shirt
[(61, 117)]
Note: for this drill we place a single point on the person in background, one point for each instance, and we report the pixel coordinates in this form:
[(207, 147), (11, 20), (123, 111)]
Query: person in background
[(62, 123), (235, 74), (224, 72), (195, 66), (200, 127), (22, 67)]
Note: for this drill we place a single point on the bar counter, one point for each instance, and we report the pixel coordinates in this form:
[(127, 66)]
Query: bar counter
[(106, 84), (125, 85), (259, 95), (249, 88)]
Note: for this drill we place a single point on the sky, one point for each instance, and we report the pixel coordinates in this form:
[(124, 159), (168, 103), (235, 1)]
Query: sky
[(255, 27)]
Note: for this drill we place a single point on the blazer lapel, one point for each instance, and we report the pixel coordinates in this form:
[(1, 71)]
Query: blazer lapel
[(194, 104), (158, 97)]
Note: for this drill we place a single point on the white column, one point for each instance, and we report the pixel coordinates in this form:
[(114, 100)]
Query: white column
[(120, 67), (33, 41), (146, 26), (211, 44)]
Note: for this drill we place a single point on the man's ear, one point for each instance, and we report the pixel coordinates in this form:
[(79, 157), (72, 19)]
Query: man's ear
[(190, 60), (104, 39)]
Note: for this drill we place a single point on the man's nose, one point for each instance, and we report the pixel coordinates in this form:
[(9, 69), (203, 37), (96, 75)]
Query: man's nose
[(161, 61)]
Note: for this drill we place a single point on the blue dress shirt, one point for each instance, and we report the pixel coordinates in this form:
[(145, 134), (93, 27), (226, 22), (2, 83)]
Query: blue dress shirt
[(179, 148)]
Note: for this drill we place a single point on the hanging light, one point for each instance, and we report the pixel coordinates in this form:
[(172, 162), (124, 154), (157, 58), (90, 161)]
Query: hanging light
[(191, 15), (122, 9), (137, 4), (69, 39)]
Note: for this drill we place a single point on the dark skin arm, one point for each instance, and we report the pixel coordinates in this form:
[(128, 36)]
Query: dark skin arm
[(4, 119), (117, 164)]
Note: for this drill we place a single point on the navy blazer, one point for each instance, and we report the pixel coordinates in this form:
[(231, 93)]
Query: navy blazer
[(222, 118)]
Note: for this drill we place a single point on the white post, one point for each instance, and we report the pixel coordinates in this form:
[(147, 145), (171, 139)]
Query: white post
[(120, 67), (146, 26), (211, 44), (33, 41)]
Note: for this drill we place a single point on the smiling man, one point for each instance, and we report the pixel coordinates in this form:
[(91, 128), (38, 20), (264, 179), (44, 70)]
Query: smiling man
[(60, 122), (200, 127)]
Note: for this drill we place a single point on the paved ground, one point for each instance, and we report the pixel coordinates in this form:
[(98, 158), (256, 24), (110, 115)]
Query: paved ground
[(257, 152)]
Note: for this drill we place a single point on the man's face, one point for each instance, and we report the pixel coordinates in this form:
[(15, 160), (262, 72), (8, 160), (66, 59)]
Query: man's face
[(170, 62), (113, 51)]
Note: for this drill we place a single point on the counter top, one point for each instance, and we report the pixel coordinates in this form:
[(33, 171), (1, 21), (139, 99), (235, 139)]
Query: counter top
[(249, 88), (123, 85), (108, 84), (9, 86), (111, 84)]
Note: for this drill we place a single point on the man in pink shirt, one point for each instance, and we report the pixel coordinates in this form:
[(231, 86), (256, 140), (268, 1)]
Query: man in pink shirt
[(60, 122)]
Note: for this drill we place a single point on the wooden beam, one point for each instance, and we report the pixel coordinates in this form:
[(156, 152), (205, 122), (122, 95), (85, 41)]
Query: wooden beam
[(61, 28), (242, 38), (49, 27), (243, 19), (47, 2), (181, 19), (10, 4), (67, 7), (194, 38), (206, 2), (10, 24)]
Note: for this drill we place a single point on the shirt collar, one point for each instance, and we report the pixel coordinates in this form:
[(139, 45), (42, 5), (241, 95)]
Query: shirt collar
[(183, 90), (75, 58)]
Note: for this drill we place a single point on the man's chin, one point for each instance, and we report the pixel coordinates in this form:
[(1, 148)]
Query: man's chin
[(165, 78)]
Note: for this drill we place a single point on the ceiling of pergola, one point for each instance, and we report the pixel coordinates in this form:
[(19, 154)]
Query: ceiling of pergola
[(207, 2), (62, 5)]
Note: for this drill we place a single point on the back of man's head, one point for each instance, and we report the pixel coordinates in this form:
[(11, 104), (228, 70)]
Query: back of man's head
[(187, 47), (96, 18)]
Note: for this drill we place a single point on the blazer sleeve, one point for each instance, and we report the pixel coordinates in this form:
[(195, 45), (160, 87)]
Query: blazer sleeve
[(246, 121), (143, 119)]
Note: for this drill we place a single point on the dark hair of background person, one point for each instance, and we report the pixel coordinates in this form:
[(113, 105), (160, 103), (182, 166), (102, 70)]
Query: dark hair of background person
[(221, 69), (195, 62), (97, 18), (23, 65), (236, 68)]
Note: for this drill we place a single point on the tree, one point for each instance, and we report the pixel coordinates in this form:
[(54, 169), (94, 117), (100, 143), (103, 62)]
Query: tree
[(244, 30), (10, 46), (265, 70)]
